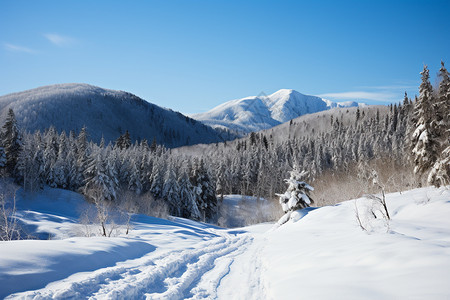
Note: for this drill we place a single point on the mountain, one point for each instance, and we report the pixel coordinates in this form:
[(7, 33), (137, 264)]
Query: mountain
[(263, 112), (105, 113)]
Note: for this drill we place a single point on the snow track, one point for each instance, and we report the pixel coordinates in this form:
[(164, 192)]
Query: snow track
[(194, 273)]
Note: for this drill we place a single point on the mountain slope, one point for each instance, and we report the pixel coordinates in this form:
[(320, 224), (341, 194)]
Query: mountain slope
[(263, 112), (105, 113)]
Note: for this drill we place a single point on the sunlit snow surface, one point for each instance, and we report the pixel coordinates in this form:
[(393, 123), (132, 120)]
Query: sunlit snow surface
[(320, 254)]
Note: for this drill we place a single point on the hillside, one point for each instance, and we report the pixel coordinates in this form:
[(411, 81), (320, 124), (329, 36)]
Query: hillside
[(310, 125), (105, 113), (263, 112), (183, 259)]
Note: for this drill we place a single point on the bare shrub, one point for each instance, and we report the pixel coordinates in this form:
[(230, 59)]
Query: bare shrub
[(371, 215), (105, 215), (354, 181), (148, 205), (9, 227), (128, 207)]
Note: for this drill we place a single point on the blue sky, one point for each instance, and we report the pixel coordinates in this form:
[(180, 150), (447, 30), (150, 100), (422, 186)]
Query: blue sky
[(193, 55)]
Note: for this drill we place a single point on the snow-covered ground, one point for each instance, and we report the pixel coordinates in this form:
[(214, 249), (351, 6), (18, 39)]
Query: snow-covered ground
[(320, 254), (239, 211)]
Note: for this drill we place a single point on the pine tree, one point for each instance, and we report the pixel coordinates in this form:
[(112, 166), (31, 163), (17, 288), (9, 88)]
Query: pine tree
[(440, 172), (297, 194), (157, 179), (2, 159), (30, 163), (153, 146), (425, 146), (441, 107), (11, 142), (204, 191), (187, 196), (134, 183), (100, 175), (171, 191), (81, 159)]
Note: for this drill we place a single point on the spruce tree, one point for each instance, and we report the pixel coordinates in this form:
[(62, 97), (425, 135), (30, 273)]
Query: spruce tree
[(425, 145), (11, 142), (297, 194), (2, 159), (440, 173), (189, 207)]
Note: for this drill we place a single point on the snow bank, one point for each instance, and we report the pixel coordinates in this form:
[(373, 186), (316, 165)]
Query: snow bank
[(325, 255)]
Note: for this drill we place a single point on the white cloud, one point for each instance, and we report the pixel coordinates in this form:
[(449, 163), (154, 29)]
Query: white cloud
[(59, 40), (16, 48), (361, 95), (393, 87)]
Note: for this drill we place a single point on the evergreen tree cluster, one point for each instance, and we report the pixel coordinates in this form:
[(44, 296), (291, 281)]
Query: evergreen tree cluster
[(75, 163), (257, 165)]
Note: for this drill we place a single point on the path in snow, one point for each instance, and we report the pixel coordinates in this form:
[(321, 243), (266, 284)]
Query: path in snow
[(222, 267)]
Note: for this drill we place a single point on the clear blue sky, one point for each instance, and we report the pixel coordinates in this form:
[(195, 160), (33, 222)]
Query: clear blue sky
[(193, 55)]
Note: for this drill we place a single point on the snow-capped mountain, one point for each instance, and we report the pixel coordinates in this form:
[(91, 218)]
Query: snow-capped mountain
[(105, 113), (263, 112)]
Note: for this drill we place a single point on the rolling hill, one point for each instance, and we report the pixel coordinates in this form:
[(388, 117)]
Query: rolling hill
[(105, 113)]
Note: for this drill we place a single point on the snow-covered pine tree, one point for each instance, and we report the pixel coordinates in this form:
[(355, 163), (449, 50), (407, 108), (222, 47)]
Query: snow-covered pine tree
[(11, 142), (51, 149), (62, 162), (171, 191), (204, 191), (82, 154), (2, 159), (157, 178), (30, 163), (124, 141), (187, 196), (425, 146), (134, 183), (297, 194), (220, 177), (100, 176), (71, 160), (441, 107), (440, 172)]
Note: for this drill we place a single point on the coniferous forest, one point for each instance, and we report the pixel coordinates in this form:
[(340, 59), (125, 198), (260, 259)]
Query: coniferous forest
[(407, 144)]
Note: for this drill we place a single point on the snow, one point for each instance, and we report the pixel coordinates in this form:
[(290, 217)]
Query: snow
[(263, 112), (320, 253), (328, 256)]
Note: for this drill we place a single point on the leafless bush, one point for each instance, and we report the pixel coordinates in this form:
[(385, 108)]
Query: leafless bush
[(376, 208), (114, 218), (105, 215), (336, 186), (371, 214), (150, 206), (9, 227)]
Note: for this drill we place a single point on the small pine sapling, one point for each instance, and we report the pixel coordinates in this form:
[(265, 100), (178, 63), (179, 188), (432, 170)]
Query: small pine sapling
[(297, 195)]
